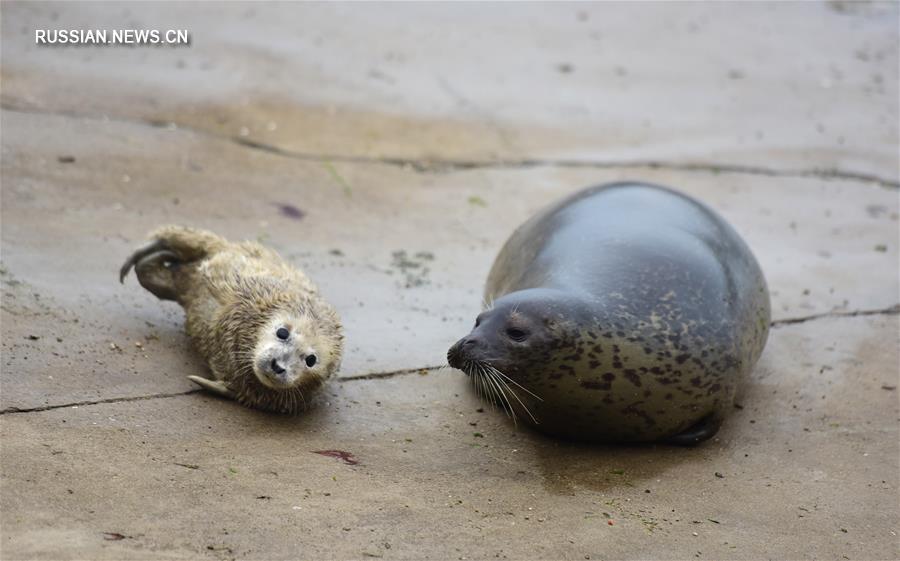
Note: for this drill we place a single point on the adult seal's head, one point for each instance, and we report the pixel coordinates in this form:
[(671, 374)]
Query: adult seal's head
[(521, 333), (626, 312)]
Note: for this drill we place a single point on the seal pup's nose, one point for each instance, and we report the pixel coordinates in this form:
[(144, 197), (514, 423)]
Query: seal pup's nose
[(276, 368)]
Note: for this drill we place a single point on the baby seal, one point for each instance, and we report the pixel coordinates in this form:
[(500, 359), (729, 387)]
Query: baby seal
[(269, 338), (624, 313)]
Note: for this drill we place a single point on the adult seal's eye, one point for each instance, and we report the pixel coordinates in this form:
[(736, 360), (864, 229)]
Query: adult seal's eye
[(282, 333), (516, 334), (311, 360)]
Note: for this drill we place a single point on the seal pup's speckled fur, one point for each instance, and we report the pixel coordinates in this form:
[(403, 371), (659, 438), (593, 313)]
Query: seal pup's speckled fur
[(624, 313), (268, 336)]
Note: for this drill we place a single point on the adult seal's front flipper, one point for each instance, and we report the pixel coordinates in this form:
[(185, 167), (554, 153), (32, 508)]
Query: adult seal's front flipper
[(705, 429)]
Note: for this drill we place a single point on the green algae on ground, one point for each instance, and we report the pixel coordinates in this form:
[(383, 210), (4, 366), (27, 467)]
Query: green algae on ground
[(338, 178)]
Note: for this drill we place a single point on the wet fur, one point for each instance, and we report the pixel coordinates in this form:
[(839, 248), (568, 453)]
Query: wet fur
[(229, 292)]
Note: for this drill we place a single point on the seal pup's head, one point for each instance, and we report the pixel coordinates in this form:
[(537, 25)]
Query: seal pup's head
[(295, 349), (515, 342)]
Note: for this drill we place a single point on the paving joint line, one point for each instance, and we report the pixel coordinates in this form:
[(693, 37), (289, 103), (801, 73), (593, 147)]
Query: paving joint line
[(436, 166), (14, 410), (391, 374), (373, 376), (891, 310)]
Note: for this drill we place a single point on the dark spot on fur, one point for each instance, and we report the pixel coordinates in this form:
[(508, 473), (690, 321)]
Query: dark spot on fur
[(594, 385), (633, 410), (609, 376), (633, 378)]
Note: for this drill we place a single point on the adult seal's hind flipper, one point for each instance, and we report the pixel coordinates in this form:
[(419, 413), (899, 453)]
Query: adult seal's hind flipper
[(630, 310)]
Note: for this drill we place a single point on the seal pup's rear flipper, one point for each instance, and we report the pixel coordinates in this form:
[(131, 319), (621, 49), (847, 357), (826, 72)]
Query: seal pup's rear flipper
[(187, 245), (155, 272), (134, 258)]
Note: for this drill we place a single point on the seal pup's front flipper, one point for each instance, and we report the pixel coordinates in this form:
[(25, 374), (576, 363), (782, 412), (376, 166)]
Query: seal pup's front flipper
[(216, 387), (705, 429)]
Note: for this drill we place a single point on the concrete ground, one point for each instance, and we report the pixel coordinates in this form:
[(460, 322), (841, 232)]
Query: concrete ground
[(389, 150)]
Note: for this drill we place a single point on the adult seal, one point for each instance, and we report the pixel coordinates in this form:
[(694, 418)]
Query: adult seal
[(626, 312)]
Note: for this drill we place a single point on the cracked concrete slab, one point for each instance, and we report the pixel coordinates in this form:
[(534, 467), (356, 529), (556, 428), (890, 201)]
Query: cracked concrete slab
[(402, 255), (368, 147), (596, 82), (805, 469)]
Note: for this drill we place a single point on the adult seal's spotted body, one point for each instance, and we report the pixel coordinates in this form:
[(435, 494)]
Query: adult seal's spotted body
[(624, 313)]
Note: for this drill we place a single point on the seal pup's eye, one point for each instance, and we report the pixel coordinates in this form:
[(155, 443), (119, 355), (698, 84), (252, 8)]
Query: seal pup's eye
[(282, 333), (516, 334), (311, 360)]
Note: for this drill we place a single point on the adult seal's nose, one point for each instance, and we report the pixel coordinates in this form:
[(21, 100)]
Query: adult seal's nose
[(459, 352), (455, 354)]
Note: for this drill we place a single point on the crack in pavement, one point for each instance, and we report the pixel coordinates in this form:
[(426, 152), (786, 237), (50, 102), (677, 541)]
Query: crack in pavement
[(892, 310), (391, 374), (372, 376), (450, 165), (11, 410)]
